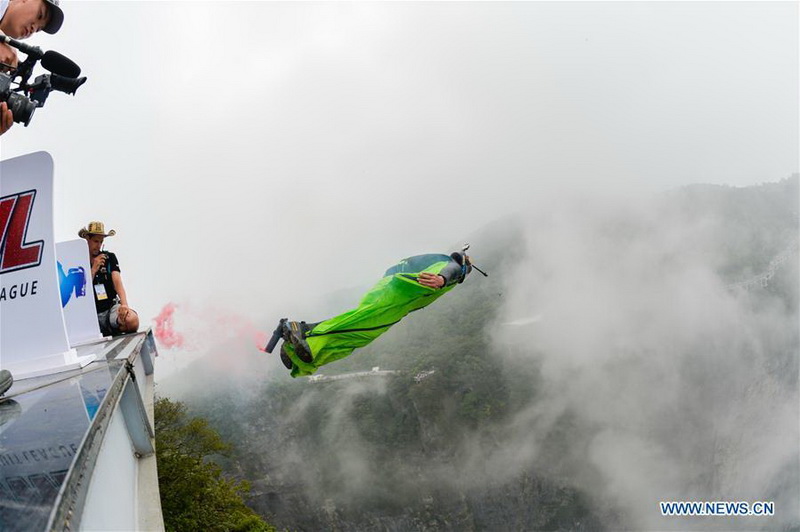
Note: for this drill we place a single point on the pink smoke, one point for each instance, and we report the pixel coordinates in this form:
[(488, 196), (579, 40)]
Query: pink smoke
[(203, 321), (164, 330)]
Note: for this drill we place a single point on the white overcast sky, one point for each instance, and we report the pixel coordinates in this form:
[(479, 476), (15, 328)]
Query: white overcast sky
[(243, 148)]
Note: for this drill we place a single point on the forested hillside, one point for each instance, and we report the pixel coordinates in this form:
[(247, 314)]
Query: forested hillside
[(484, 429)]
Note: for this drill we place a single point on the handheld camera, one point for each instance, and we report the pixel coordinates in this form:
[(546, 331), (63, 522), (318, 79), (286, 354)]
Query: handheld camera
[(24, 98)]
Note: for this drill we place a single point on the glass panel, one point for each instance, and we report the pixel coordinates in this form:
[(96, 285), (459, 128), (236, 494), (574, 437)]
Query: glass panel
[(40, 433)]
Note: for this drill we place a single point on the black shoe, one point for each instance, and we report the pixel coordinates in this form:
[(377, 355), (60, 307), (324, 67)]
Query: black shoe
[(285, 358), (295, 334), (6, 380)]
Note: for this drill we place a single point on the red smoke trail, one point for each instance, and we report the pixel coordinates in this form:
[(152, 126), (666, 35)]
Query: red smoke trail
[(241, 326), (165, 333), (260, 338), (244, 327), (217, 322)]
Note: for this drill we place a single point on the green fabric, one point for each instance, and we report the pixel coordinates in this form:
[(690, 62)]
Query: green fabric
[(386, 303)]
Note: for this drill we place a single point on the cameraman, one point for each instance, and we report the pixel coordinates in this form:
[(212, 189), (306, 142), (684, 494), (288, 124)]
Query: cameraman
[(19, 19), (106, 276)]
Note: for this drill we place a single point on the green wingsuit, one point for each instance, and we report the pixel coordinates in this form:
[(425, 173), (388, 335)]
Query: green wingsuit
[(388, 302)]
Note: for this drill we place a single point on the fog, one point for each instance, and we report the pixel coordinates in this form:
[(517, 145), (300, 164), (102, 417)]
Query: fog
[(676, 387), (256, 158), (254, 154), (643, 376)]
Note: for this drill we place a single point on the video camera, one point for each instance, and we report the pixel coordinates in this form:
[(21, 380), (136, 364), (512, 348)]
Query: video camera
[(63, 77)]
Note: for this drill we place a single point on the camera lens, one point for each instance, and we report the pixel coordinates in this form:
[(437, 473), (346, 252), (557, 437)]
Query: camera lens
[(21, 107)]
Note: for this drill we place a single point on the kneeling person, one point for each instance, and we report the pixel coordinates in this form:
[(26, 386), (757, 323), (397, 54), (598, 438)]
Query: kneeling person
[(106, 275)]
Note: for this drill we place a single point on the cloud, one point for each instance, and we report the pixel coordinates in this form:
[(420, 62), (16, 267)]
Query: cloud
[(657, 382)]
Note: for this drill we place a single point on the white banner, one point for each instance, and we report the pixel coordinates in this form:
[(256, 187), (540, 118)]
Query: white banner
[(33, 337), (77, 297)]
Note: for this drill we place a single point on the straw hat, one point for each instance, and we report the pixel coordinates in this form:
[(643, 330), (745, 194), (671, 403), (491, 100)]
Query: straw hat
[(95, 228)]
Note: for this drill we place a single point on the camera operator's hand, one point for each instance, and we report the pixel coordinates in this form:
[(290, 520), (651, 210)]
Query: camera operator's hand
[(97, 263), (6, 118), (8, 56)]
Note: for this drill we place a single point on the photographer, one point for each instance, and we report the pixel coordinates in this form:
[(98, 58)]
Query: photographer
[(107, 279), (20, 19)]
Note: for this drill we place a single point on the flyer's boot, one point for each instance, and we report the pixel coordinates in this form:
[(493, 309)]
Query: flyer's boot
[(295, 334)]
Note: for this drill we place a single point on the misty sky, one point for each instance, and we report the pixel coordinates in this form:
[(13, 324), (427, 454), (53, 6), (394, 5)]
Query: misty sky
[(275, 151)]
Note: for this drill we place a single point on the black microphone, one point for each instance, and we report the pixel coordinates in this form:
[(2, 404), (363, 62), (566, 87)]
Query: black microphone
[(60, 64), (52, 61)]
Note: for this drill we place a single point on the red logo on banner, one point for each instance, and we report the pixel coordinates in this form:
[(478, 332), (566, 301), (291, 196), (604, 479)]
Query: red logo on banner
[(15, 214)]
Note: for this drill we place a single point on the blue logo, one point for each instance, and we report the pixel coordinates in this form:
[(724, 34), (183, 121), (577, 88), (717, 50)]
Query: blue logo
[(72, 282)]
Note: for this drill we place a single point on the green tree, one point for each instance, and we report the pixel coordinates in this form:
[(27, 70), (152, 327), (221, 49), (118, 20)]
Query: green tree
[(194, 495)]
